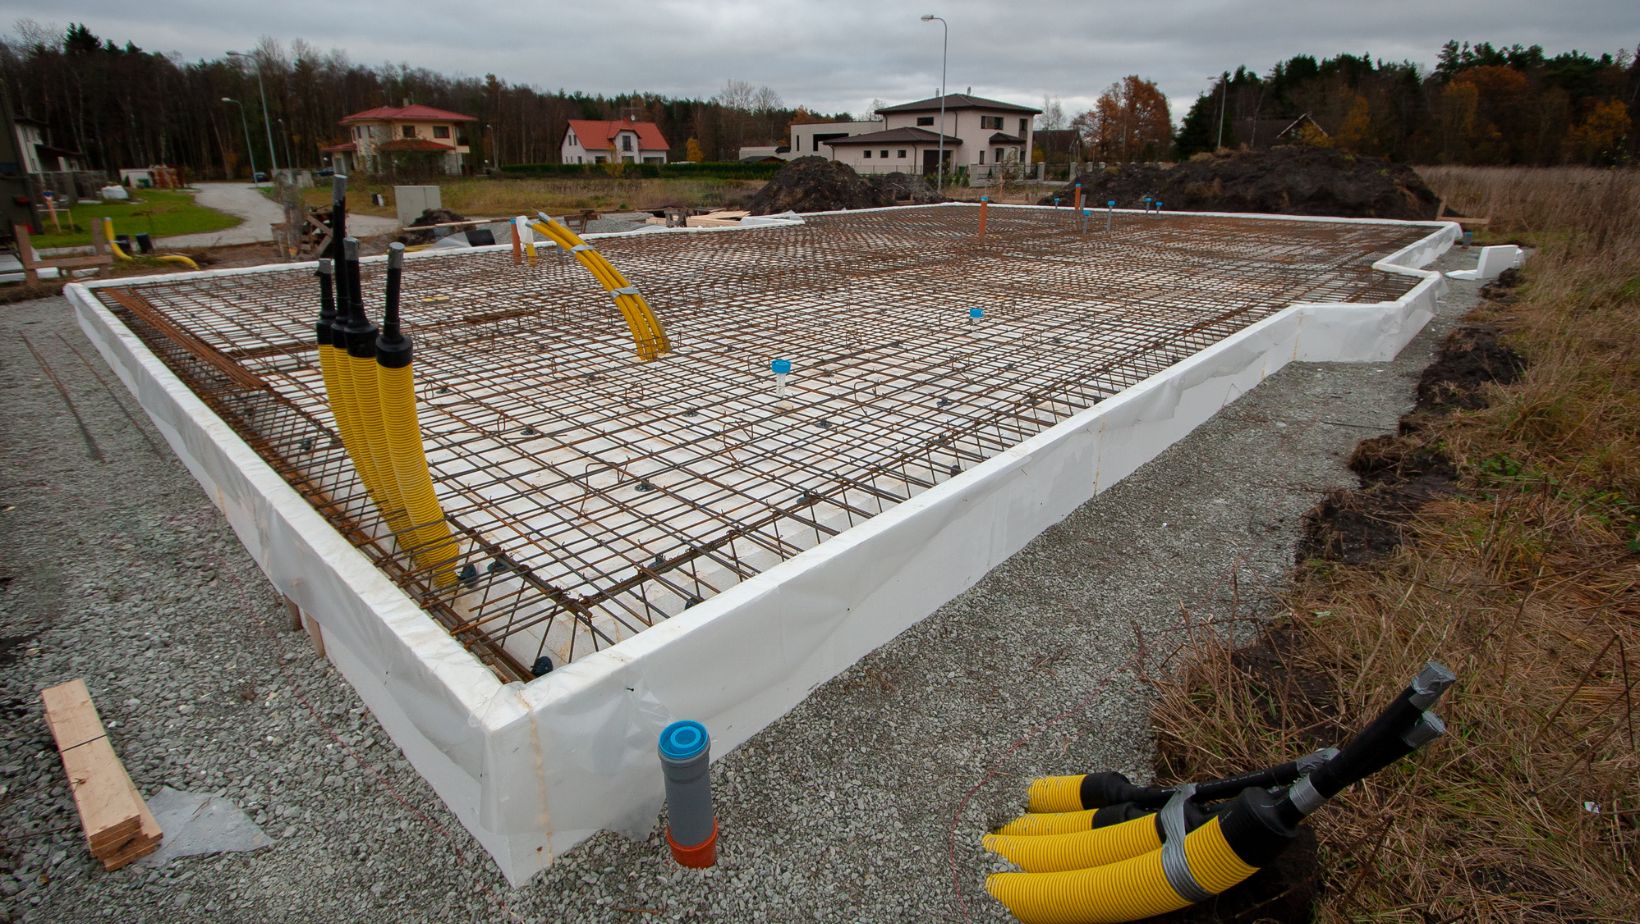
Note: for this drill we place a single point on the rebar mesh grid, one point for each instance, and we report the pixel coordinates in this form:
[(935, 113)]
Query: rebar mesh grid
[(595, 495)]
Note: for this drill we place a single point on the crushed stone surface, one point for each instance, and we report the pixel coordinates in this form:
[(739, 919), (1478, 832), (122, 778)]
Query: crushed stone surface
[(866, 803)]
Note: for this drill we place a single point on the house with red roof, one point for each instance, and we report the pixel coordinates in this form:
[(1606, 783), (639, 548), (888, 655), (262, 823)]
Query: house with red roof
[(402, 139), (613, 141)]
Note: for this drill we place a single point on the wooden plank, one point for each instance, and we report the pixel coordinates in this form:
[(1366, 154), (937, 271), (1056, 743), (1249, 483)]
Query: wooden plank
[(109, 810), (145, 843), (72, 718), (295, 613), (316, 635), (25, 254)]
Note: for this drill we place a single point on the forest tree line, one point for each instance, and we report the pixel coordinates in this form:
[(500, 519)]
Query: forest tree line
[(123, 106), (1480, 104)]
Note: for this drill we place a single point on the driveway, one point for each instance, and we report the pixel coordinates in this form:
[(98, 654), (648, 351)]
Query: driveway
[(260, 213)]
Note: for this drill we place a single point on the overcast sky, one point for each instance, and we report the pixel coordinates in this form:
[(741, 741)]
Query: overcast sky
[(839, 55)]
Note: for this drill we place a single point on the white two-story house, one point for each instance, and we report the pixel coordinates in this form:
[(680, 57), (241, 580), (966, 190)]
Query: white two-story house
[(613, 141), (980, 134), (377, 136)]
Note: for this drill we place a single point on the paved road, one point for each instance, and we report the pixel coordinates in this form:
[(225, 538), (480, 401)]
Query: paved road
[(260, 213)]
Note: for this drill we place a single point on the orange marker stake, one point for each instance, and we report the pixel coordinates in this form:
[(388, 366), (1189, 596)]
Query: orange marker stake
[(518, 244), (984, 202)]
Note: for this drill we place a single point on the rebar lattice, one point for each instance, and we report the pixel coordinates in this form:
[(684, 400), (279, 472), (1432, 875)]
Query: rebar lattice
[(595, 495)]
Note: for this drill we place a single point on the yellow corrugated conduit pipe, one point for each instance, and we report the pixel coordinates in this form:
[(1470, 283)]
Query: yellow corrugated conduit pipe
[(428, 538), (336, 275), (1095, 849), (647, 333), (120, 254), (357, 372)]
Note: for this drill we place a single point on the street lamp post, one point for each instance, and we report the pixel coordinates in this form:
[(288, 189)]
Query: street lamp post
[(266, 123), (945, 45), (285, 137), (1224, 87), (247, 127)]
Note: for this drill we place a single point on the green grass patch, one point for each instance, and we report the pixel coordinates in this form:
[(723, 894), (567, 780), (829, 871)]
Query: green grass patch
[(159, 212)]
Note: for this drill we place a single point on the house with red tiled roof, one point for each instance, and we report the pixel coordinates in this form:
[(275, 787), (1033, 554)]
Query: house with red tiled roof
[(402, 139), (613, 141)]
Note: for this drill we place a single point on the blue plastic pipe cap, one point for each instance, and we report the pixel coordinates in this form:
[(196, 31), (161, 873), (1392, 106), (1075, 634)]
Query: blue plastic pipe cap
[(976, 312), (684, 739), (985, 198), (1111, 204), (780, 366)]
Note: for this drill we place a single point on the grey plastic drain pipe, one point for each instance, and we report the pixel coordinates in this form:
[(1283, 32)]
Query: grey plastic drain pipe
[(685, 749)]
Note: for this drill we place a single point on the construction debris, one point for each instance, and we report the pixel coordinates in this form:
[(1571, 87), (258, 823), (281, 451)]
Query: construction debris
[(814, 184), (1289, 180), (119, 828)]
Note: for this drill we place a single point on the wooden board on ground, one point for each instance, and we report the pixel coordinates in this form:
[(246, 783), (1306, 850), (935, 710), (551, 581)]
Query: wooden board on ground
[(727, 218), (119, 828)]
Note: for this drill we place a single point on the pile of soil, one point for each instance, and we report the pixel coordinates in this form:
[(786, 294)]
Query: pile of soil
[(429, 217), (1289, 180), (814, 184)]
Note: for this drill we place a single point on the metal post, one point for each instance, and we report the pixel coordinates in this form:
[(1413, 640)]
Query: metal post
[(247, 127), (284, 136), (267, 125), (945, 45), (1224, 87)]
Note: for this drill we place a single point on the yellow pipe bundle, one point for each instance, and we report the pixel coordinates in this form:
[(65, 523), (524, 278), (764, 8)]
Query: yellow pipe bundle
[(428, 538), (1096, 849), (647, 333), (1128, 889), (358, 410)]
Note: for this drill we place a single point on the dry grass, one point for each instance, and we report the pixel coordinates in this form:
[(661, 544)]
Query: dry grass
[(499, 198), (1526, 582)]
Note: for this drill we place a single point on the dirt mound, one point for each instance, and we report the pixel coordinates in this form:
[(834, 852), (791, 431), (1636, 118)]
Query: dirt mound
[(814, 184), (1290, 180)]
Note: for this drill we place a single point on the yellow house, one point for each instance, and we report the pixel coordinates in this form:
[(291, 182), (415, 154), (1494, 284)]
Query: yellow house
[(382, 138)]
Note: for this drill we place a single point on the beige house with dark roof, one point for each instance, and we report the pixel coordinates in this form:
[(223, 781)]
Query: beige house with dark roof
[(980, 135)]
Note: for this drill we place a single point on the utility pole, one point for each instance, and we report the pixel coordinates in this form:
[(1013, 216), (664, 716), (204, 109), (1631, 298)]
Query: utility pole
[(267, 125), (247, 127)]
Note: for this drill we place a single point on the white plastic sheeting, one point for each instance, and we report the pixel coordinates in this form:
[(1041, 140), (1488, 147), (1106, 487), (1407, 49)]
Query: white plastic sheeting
[(533, 769)]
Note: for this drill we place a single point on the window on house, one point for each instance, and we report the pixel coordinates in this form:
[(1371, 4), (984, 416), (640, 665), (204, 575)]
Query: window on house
[(925, 120), (993, 123), (1021, 128), (901, 154), (441, 131), (408, 131), (883, 153), (999, 155), (868, 153), (626, 142), (982, 157)]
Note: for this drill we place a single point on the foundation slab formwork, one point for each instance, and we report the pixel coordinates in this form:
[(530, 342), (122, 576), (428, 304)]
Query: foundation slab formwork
[(687, 538)]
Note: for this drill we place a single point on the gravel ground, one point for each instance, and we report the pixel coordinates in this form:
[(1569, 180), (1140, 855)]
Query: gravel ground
[(864, 804)]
